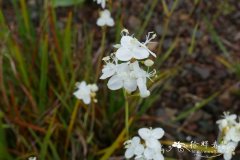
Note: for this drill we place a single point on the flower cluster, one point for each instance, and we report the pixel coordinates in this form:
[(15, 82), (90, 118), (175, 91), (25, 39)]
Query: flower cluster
[(230, 129), (124, 66), (86, 92), (150, 149), (105, 18)]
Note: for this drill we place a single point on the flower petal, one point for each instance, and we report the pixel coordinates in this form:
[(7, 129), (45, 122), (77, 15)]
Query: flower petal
[(77, 94), (110, 22), (144, 133), (103, 4), (115, 83), (135, 140), (140, 53), (153, 143), (87, 99), (148, 153), (123, 54), (139, 149), (125, 41), (144, 92), (129, 153), (108, 71), (100, 22), (157, 133), (130, 84)]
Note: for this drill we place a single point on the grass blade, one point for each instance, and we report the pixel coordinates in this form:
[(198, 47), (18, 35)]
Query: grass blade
[(197, 106)]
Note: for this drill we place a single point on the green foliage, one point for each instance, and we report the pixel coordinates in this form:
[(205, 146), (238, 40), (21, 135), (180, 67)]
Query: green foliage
[(66, 3), (3, 145)]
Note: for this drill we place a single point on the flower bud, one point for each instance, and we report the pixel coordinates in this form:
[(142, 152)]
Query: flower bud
[(148, 62)]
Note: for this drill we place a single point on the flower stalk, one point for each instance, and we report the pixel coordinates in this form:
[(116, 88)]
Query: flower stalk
[(126, 113)]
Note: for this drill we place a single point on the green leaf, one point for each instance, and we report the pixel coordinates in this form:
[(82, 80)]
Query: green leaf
[(65, 3), (196, 107)]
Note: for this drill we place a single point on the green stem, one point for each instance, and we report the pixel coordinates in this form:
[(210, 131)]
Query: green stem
[(126, 114), (93, 117), (102, 47)]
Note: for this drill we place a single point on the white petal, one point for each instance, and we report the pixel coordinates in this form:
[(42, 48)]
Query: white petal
[(157, 133), (83, 84), (140, 53), (115, 83), (125, 41), (130, 84), (129, 153), (106, 13), (139, 149), (107, 74), (77, 94), (232, 117), (135, 140), (227, 156), (87, 99), (123, 67), (144, 133), (153, 143), (110, 22), (148, 153), (103, 3), (108, 70), (100, 22), (123, 54), (141, 82)]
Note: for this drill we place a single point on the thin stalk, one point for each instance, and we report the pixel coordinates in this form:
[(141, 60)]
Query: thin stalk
[(102, 47), (93, 117), (126, 114), (71, 123)]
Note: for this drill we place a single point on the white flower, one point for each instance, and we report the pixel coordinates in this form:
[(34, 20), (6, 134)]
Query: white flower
[(126, 75), (130, 48), (86, 92), (129, 75), (233, 134), (120, 76), (151, 137), (227, 121), (134, 148), (122, 79), (227, 150), (150, 150), (105, 19), (102, 2), (230, 129)]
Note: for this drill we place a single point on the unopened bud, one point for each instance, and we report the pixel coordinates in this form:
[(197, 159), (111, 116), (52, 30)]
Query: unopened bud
[(106, 58), (148, 62)]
